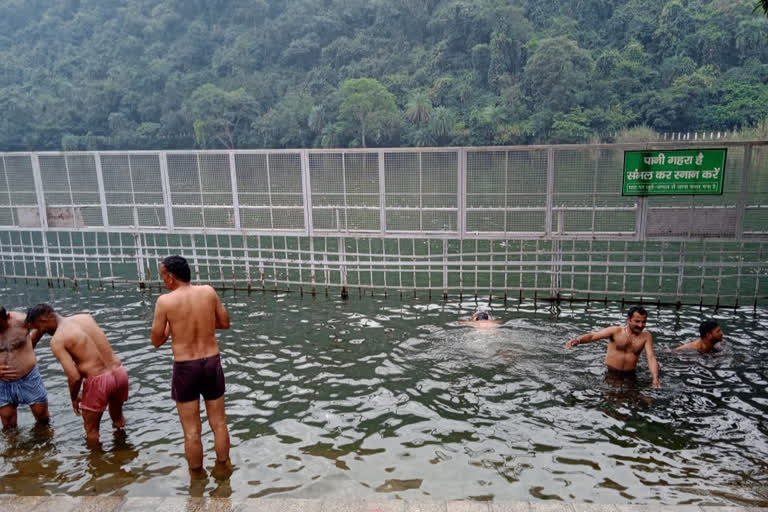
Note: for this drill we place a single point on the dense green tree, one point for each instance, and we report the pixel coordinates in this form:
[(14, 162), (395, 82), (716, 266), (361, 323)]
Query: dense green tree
[(265, 73), (368, 108), (220, 117), (557, 75)]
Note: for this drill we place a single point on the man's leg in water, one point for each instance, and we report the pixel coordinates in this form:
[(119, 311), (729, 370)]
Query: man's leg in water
[(40, 412), (116, 411), (189, 414), (217, 419), (91, 422), (8, 415)]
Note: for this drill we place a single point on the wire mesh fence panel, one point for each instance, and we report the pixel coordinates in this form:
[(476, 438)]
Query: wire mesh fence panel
[(535, 222)]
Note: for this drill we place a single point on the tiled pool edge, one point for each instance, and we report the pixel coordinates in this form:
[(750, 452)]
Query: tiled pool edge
[(181, 504)]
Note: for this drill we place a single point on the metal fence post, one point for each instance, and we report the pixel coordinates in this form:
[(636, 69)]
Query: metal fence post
[(306, 186), (550, 189), (235, 194), (461, 193), (382, 195), (40, 193), (166, 186), (102, 194), (641, 218), (742, 204)]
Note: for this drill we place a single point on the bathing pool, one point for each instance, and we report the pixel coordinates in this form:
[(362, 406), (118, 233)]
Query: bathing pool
[(384, 398)]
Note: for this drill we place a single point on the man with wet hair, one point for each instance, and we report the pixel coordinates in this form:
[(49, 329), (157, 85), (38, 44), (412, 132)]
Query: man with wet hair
[(710, 335), (20, 381), (625, 342), (88, 361), (190, 314)]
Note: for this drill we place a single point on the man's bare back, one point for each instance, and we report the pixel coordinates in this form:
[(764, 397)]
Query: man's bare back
[(88, 362), (192, 314), (86, 344)]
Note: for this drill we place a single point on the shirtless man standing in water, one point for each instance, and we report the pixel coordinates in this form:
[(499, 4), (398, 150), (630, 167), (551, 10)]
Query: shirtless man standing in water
[(88, 361), (20, 381), (191, 314), (626, 343)]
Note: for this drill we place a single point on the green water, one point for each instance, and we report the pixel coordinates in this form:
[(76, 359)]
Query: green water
[(387, 398)]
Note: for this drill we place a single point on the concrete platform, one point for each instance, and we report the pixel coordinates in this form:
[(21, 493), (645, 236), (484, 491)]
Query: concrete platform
[(181, 504)]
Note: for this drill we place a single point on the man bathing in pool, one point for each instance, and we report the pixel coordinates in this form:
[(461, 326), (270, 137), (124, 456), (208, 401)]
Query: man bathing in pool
[(624, 345), (480, 320), (191, 314), (88, 361), (20, 381), (710, 335)]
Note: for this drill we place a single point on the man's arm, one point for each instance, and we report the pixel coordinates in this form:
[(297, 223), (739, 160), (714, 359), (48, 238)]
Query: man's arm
[(74, 379), (222, 317), (34, 336), (653, 364), (160, 328), (593, 336)]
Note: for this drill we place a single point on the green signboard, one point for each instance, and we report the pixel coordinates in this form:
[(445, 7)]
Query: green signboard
[(676, 172)]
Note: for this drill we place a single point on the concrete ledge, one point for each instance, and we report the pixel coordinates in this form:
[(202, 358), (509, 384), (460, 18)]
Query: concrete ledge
[(181, 504)]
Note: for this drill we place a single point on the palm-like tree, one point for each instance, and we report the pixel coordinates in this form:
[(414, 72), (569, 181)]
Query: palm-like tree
[(762, 4), (419, 107)]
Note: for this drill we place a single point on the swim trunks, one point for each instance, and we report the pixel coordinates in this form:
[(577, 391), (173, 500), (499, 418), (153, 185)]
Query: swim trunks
[(100, 390), (620, 377), (27, 390), (197, 377)]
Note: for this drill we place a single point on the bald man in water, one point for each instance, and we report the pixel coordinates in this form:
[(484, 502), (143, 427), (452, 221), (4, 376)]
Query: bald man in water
[(87, 359), (191, 314), (625, 343), (20, 381), (480, 320)]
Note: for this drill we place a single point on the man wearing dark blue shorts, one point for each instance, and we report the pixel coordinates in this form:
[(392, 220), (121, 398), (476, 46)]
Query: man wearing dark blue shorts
[(20, 382)]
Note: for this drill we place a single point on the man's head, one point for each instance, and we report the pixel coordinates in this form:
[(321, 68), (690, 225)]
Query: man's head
[(175, 270), (710, 330), (42, 317), (636, 319), (480, 315)]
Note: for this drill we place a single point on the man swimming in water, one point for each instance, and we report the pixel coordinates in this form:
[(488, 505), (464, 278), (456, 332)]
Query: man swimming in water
[(88, 361), (20, 381), (480, 320), (710, 335), (191, 314), (624, 346)]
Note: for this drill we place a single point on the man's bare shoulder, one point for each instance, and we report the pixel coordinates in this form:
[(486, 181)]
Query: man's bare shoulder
[(691, 345), (17, 318), (205, 288), (613, 330)]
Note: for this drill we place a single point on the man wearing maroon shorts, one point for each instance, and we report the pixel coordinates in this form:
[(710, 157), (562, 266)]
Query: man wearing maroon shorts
[(88, 361), (191, 314)]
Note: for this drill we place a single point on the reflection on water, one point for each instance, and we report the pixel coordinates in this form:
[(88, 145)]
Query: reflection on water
[(375, 396)]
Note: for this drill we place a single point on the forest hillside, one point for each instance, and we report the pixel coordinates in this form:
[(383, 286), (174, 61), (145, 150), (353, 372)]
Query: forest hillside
[(151, 74)]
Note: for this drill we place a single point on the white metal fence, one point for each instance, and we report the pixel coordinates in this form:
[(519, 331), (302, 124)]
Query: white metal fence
[(543, 221)]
